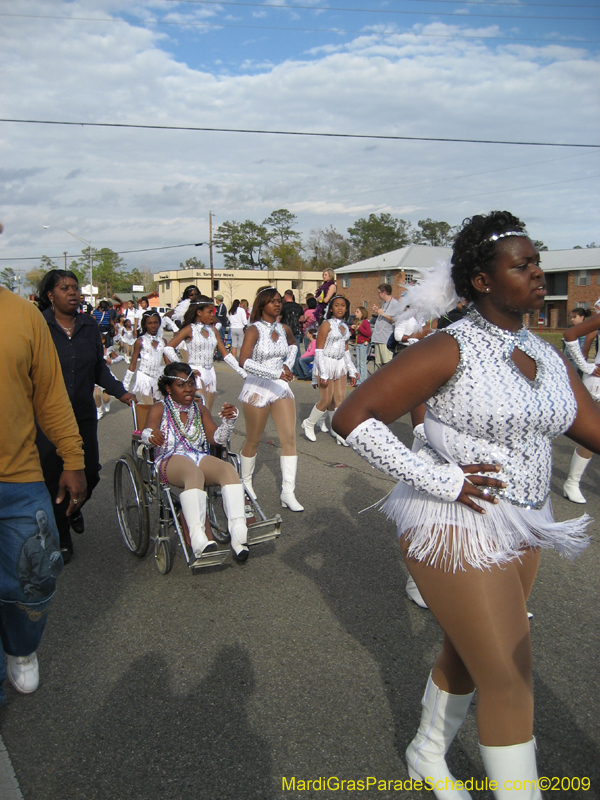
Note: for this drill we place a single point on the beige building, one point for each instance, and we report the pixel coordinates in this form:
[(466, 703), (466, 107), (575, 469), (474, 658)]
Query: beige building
[(233, 284)]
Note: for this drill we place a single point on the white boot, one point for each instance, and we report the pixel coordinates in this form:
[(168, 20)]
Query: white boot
[(442, 716), (106, 406), (511, 767), (248, 465), (289, 466), (571, 485), (323, 423), (193, 505), (308, 426), (235, 508), (414, 594), (335, 435)]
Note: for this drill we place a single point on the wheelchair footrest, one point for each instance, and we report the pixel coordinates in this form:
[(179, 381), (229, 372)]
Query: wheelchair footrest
[(214, 558), (264, 531)]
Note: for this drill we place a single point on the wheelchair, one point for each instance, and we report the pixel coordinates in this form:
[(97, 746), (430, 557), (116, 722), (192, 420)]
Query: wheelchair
[(137, 487)]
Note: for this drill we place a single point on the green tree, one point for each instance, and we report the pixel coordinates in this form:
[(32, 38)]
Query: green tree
[(242, 244), (192, 263), (108, 268), (434, 233), (379, 234), (328, 249), (285, 246), (539, 245), (8, 278), (280, 222)]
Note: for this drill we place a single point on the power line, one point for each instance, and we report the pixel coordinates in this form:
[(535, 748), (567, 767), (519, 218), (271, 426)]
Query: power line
[(118, 253), (390, 137)]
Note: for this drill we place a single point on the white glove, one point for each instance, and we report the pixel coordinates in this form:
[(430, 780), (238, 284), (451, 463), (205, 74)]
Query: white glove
[(375, 442), (291, 357), (128, 380), (350, 366), (260, 370), (231, 361), (576, 356), (172, 354), (223, 433), (319, 363), (145, 436)]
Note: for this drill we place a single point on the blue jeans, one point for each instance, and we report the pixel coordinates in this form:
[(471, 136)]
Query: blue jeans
[(362, 351), (303, 370), (30, 562)]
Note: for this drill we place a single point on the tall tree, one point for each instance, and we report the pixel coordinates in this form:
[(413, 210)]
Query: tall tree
[(434, 233), (242, 244), (192, 263), (285, 246), (8, 278), (379, 234), (328, 249), (280, 222), (539, 245)]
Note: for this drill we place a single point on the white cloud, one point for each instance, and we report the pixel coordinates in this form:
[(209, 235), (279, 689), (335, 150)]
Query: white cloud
[(137, 188)]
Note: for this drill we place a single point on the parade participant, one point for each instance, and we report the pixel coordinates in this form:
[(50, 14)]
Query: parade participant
[(149, 349), (332, 367), (471, 541), (324, 293), (591, 380), (190, 295), (143, 306), (362, 328), (183, 430), (79, 346), (268, 355), (31, 388), (202, 342)]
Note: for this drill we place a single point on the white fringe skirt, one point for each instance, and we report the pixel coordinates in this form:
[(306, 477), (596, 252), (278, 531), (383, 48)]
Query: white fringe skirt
[(451, 535), (146, 385), (207, 379), (261, 392), (592, 384), (333, 368)]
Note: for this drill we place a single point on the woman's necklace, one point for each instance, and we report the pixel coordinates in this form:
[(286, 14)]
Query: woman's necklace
[(67, 329), (190, 433)]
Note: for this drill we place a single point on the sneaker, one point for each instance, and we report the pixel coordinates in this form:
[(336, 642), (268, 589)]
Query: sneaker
[(99, 412), (23, 672), (106, 407)]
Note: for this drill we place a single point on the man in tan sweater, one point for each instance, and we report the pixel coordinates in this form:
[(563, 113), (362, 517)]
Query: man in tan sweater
[(31, 389)]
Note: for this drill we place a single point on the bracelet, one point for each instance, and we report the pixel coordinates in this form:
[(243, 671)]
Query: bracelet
[(146, 434)]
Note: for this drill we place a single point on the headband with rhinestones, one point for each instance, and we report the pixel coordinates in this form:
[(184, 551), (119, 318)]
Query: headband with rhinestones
[(266, 289), (495, 236)]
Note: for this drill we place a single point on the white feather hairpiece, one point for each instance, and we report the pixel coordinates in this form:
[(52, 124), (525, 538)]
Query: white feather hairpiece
[(432, 297), (180, 310)]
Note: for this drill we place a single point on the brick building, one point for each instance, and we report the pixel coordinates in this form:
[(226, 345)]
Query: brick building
[(571, 278)]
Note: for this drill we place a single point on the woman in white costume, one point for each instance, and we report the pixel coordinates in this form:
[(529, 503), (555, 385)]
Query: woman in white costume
[(183, 430), (268, 355), (496, 396), (202, 342), (149, 350), (591, 381), (333, 366)]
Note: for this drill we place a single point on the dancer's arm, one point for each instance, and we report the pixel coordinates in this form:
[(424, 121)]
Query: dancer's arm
[(152, 434), (321, 339), (169, 354), (585, 430)]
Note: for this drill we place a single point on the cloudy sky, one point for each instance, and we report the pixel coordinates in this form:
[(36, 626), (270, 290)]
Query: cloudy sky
[(512, 71)]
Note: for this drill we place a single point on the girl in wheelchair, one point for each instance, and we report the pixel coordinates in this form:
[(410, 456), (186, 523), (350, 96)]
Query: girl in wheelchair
[(182, 429)]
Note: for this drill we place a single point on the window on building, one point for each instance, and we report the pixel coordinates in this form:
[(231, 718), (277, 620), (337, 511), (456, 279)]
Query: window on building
[(167, 286), (388, 277), (557, 282), (296, 284), (345, 281), (215, 286), (364, 303), (409, 277), (583, 277), (585, 305)]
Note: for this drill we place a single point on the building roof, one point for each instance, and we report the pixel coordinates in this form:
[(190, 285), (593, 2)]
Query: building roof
[(420, 256)]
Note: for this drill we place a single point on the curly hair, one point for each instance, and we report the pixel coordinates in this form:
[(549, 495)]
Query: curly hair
[(473, 253), (263, 296), (48, 283), (171, 372)]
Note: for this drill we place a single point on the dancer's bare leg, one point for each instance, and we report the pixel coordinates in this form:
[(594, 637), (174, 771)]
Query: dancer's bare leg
[(284, 416), (326, 393), (486, 641), (256, 420), (209, 399), (182, 472), (339, 392)]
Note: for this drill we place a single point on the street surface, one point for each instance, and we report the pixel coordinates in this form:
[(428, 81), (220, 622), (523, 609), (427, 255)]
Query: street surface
[(307, 662)]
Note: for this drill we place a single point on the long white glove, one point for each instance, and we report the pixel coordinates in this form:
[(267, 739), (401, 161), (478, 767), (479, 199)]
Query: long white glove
[(291, 357), (231, 361), (128, 380), (576, 356), (319, 363), (172, 354), (375, 442), (223, 433), (260, 370), (350, 365)]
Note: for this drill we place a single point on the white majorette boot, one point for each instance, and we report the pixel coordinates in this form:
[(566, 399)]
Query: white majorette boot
[(193, 505), (323, 423), (513, 767), (414, 594), (248, 465), (289, 466), (308, 426), (571, 488), (335, 435), (235, 508), (442, 716)]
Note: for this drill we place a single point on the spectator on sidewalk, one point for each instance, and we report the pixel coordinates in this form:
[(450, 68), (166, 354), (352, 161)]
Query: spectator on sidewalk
[(386, 314), (291, 311)]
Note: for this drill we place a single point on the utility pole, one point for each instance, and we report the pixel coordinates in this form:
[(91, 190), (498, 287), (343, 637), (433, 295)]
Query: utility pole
[(212, 271), (65, 252)]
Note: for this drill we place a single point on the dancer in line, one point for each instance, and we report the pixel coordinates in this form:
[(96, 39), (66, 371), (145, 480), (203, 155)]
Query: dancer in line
[(268, 355), (149, 349), (471, 541), (332, 367), (591, 380), (202, 342), (183, 430)]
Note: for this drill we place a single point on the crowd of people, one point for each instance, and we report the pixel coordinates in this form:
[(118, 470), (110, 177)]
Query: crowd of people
[(471, 505)]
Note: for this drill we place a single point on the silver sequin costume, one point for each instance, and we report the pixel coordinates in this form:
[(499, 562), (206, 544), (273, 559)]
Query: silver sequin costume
[(150, 366), (201, 354), (334, 360), (488, 412), (176, 445), (263, 386), (591, 382)]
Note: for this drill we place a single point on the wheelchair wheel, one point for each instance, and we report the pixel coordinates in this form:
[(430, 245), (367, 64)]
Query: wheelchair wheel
[(164, 552), (132, 508), (217, 516)]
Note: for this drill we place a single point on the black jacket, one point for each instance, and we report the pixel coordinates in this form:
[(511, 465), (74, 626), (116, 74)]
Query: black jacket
[(290, 314)]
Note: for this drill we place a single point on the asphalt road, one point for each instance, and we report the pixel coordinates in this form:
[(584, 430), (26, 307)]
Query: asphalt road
[(307, 662)]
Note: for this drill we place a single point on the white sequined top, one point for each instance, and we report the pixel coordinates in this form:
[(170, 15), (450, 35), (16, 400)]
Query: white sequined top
[(335, 344), (268, 356), (491, 413), (201, 349), (151, 358)]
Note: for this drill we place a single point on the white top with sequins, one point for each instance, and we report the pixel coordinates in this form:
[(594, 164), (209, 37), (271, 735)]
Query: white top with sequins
[(151, 357), (201, 349)]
